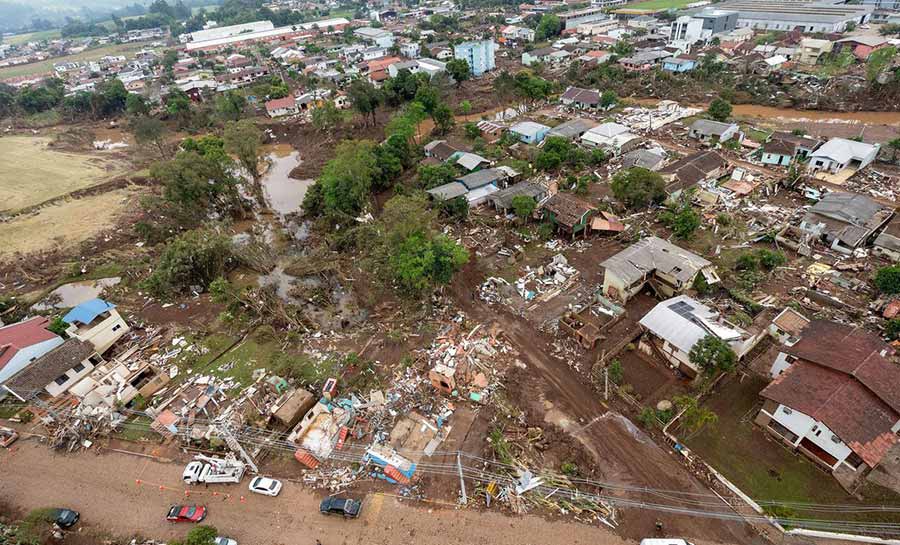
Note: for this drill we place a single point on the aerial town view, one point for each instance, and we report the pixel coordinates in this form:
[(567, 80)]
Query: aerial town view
[(449, 272)]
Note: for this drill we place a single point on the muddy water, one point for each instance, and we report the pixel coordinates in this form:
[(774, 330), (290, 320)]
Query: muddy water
[(71, 295), (285, 194), (790, 114)]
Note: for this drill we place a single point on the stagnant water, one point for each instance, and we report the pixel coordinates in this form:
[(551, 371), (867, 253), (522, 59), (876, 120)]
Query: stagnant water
[(284, 194), (75, 293)]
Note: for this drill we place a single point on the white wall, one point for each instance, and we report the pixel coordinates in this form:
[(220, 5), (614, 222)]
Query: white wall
[(104, 334), (810, 428), (27, 355)]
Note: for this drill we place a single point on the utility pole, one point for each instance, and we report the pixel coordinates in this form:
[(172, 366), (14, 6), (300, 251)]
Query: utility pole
[(462, 482), (606, 383), (233, 444)]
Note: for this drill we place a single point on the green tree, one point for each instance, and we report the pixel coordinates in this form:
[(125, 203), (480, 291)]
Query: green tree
[(58, 326), (365, 98), (200, 535), (230, 105), (694, 418), (638, 187), (892, 329), (196, 185), (431, 176), (459, 70), (523, 206), (608, 99), (683, 222), (412, 255), (894, 146), (465, 108), (472, 131), (178, 106), (137, 105), (345, 185), (327, 118), (243, 140), (887, 279), (194, 258), (719, 109), (712, 355), (549, 26), (150, 131), (443, 118), (771, 259)]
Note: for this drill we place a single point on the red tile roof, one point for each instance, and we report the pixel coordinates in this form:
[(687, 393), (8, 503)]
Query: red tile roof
[(15, 337), (844, 379), (279, 103)]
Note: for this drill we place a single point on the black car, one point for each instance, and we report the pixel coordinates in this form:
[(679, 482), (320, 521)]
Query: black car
[(346, 507), (65, 518)]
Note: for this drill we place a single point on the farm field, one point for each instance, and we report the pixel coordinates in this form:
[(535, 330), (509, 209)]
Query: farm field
[(32, 173), (19, 39), (86, 55), (63, 224)]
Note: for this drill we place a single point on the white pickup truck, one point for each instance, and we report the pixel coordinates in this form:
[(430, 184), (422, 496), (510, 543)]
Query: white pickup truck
[(212, 470)]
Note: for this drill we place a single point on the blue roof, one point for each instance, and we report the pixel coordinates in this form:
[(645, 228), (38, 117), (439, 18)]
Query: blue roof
[(87, 311)]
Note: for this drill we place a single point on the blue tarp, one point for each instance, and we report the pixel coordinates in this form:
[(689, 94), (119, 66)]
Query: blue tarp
[(87, 311)]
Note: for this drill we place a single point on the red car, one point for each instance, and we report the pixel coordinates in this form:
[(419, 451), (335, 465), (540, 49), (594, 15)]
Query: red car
[(186, 513)]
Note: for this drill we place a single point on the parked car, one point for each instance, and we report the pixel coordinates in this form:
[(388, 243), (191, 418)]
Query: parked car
[(265, 486), (346, 507), (8, 436), (65, 518), (186, 513), (225, 541)]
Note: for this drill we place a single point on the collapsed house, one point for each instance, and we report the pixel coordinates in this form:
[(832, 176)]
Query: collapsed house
[(835, 399), (98, 322), (665, 267), (845, 221), (675, 325), (319, 431)]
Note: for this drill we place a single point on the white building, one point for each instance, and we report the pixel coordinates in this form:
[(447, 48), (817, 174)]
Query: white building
[(24, 342), (840, 153), (97, 322)]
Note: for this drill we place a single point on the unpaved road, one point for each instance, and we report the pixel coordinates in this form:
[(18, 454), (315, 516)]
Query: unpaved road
[(621, 452), (104, 489)]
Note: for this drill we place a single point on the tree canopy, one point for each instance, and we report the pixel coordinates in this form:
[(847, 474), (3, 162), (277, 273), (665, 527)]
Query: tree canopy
[(637, 187), (712, 355)]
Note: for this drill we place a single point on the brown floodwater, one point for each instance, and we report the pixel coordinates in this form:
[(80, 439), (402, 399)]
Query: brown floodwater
[(285, 194)]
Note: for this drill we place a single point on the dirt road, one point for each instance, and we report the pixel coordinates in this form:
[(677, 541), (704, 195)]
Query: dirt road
[(621, 452), (104, 489)]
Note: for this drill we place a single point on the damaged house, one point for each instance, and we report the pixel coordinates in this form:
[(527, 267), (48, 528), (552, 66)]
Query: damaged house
[(845, 221), (668, 269), (571, 215), (839, 153), (97, 322), (675, 325), (837, 400), (687, 172), (54, 372)]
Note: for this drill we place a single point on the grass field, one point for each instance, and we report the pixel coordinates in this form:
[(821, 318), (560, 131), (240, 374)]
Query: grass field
[(32, 173), (19, 39), (86, 55), (764, 469), (63, 224), (656, 5)]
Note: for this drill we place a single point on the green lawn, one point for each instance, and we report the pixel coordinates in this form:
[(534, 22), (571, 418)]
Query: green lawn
[(19, 39), (765, 470), (657, 5), (86, 55)]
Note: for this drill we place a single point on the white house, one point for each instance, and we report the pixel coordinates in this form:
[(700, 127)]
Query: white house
[(611, 136), (24, 342), (517, 33), (97, 322), (839, 153), (675, 325), (55, 371), (836, 400)]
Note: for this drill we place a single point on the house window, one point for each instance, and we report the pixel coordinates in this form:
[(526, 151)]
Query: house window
[(117, 327), (835, 439), (78, 368), (787, 410), (61, 380)]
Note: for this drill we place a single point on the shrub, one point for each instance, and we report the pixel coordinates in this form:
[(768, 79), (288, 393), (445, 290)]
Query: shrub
[(770, 259), (887, 279), (194, 258), (747, 261), (712, 355), (615, 372), (638, 187)]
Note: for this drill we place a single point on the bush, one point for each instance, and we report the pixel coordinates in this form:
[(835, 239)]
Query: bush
[(638, 187), (747, 261), (683, 222), (892, 329), (615, 372), (887, 279), (647, 418), (194, 258), (771, 259), (569, 468)]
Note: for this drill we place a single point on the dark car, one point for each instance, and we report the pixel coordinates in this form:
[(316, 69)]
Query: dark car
[(186, 513), (345, 507), (65, 518)]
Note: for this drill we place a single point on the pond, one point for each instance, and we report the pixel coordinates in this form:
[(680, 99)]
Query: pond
[(284, 194), (75, 293)]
